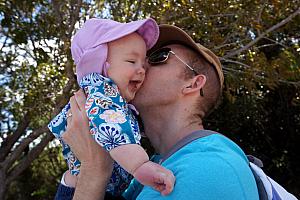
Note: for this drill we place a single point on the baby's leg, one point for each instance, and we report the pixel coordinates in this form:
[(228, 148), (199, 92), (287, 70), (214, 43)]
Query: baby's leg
[(145, 171), (58, 126)]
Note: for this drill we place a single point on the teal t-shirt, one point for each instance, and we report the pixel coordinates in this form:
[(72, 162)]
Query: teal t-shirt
[(209, 168)]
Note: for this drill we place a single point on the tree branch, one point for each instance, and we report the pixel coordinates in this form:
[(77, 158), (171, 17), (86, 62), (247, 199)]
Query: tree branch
[(259, 16), (235, 62), (276, 42), (26, 161), (229, 70), (265, 45), (61, 100), (283, 22), (3, 44), (224, 45), (11, 140), (20, 148), (74, 18), (27, 52), (136, 14)]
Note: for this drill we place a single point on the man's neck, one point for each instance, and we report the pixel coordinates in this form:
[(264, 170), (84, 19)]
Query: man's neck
[(166, 126)]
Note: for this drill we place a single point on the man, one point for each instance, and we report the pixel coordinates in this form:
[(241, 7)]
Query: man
[(183, 85)]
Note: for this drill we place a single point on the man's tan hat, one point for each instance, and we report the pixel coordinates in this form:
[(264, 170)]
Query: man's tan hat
[(174, 35)]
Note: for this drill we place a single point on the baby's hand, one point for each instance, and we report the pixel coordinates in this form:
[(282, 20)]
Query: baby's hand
[(156, 176)]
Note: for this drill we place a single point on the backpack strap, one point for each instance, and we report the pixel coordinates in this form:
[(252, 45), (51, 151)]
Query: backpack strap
[(255, 160), (262, 192), (186, 140)]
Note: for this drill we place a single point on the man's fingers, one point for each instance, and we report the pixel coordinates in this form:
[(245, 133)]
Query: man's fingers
[(74, 106), (69, 116), (80, 99)]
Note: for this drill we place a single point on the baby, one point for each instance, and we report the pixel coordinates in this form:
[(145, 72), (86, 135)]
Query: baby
[(109, 58)]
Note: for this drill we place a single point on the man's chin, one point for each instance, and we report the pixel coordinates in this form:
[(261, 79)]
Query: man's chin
[(136, 100), (133, 101), (139, 99)]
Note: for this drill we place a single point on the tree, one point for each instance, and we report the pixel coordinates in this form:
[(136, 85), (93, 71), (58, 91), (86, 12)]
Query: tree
[(257, 41), (33, 72), (39, 181)]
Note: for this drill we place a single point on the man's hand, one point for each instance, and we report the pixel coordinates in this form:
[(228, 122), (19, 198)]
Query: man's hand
[(96, 164)]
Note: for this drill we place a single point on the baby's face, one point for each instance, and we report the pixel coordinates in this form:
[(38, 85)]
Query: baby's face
[(126, 57)]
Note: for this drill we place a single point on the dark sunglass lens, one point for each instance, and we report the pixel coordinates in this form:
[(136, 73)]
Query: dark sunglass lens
[(158, 56)]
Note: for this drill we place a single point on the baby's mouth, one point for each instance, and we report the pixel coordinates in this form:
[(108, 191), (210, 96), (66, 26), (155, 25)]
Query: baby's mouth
[(135, 84)]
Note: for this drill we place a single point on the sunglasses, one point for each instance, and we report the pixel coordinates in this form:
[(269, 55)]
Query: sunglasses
[(162, 55)]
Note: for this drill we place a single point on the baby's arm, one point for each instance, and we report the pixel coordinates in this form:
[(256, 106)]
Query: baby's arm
[(134, 159)]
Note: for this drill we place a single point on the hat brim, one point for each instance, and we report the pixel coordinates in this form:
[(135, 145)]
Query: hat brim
[(147, 29), (169, 34)]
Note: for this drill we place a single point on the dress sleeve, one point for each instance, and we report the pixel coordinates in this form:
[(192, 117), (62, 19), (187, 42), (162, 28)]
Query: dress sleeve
[(112, 122)]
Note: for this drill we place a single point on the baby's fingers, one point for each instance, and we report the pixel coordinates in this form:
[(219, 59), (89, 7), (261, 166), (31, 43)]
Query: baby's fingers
[(166, 183), (170, 181), (159, 187)]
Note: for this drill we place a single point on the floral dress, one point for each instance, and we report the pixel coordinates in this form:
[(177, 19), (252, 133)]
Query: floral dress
[(112, 124)]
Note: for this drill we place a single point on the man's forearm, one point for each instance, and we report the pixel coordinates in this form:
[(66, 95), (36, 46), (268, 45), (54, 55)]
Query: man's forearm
[(91, 184)]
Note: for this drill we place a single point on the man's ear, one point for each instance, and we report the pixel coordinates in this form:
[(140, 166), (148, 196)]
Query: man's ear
[(195, 84)]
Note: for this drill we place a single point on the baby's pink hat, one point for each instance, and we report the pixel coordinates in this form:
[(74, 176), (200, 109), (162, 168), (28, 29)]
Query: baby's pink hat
[(89, 45)]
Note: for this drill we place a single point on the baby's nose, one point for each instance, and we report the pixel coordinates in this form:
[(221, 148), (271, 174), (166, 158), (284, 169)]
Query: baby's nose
[(141, 70)]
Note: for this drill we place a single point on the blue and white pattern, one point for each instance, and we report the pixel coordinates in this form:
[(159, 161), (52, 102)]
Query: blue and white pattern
[(110, 136), (112, 124)]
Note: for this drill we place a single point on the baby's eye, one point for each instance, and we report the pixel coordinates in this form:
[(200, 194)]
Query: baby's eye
[(131, 61)]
